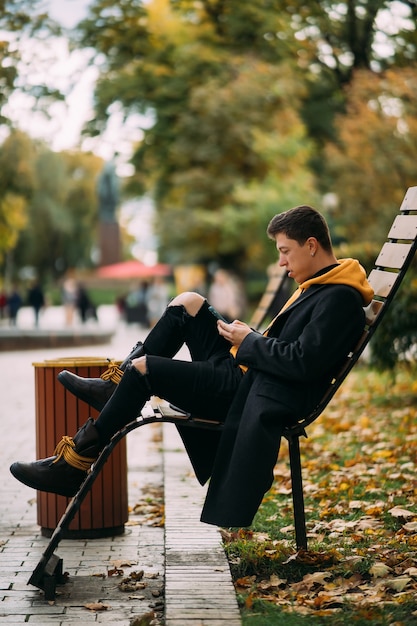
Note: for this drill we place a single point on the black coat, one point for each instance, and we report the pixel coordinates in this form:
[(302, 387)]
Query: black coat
[(289, 370)]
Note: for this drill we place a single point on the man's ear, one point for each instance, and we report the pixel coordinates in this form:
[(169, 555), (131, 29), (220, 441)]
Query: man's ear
[(312, 245)]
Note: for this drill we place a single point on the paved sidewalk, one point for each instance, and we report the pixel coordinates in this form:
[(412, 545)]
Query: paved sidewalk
[(186, 574)]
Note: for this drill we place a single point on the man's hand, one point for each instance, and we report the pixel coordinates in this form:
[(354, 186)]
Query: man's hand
[(234, 332)]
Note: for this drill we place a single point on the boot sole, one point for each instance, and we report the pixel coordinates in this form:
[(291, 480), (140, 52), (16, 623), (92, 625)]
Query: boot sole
[(75, 392)]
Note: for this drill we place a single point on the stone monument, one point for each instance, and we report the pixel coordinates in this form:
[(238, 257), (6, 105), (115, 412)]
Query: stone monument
[(108, 199)]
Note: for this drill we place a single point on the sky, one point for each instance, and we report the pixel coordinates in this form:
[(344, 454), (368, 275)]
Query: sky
[(67, 12), (68, 71)]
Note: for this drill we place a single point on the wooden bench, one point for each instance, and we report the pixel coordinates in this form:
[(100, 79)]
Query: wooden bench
[(390, 267)]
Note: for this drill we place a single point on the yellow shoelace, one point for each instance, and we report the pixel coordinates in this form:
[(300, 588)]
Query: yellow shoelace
[(66, 449), (113, 373)]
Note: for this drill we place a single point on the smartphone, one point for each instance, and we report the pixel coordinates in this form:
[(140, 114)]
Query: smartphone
[(218, 315)]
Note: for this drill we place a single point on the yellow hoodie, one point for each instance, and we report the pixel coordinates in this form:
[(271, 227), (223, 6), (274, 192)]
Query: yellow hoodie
[(347, 272)]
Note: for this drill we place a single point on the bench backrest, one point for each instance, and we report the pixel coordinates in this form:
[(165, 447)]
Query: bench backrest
[(385, 278), (274, 297)]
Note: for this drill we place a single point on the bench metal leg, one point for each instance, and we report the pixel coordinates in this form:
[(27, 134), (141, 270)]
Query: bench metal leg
[(297, 492), (49, 571)]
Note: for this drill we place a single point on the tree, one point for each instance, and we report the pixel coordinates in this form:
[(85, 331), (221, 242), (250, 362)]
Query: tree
[(62, 214), (17, 184), (224, 105), (373, 161), (370, 167), (20, 22), (336, 40), (239, 155)]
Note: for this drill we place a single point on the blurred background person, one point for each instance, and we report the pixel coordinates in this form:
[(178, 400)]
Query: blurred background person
[(69, 299), (85, 305), (3, 304), (14, 303), (226, 295), (137, 305), (36, 300), (158, 297)]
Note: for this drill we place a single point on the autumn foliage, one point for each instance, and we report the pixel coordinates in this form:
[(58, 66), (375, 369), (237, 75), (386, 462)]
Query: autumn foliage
[(359, 466)]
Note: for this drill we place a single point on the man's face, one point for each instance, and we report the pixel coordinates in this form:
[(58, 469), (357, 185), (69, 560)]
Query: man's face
[(296, 258)]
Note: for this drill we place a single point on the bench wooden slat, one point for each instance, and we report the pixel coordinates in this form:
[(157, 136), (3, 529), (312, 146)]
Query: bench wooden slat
[(404, 227), (268, 302), (258, 317), (273, 284), (148, 410), (410, 200), (167, 410), (372, 311), (393, 255), (382, 282)]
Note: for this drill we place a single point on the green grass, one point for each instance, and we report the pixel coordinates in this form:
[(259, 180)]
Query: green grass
[(263, 614)]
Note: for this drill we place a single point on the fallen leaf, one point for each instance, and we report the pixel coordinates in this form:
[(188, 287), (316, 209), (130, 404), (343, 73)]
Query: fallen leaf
[(317, 578), (379, 570), (398, 584), (411, 571), (123, 563), (273, 583), (144, 620), (398, 512), (96, 606), (115, 572), (356, 504), (287, 529), (246, 581)]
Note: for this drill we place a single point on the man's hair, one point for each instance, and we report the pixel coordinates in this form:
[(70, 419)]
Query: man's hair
[(300, 223)]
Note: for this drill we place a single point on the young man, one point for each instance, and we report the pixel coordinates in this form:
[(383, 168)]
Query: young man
[(256, 383)]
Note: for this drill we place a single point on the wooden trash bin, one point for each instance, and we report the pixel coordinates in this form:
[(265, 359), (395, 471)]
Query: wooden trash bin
[(104, 510)]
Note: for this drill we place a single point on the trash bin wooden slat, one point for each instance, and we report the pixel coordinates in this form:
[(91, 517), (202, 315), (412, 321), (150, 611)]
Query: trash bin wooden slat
[(104, 511)]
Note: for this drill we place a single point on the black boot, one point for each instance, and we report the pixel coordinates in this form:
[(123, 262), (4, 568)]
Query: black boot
[(97, 391), (64, 472), (125, 404)]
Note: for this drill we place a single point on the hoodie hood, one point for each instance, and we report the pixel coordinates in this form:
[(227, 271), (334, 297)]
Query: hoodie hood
[(348, 272)]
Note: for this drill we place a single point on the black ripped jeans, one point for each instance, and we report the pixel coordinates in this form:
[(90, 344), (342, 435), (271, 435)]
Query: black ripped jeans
[(204, 386)]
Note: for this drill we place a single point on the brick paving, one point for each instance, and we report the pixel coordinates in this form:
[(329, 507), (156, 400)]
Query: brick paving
[(186, 575)]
